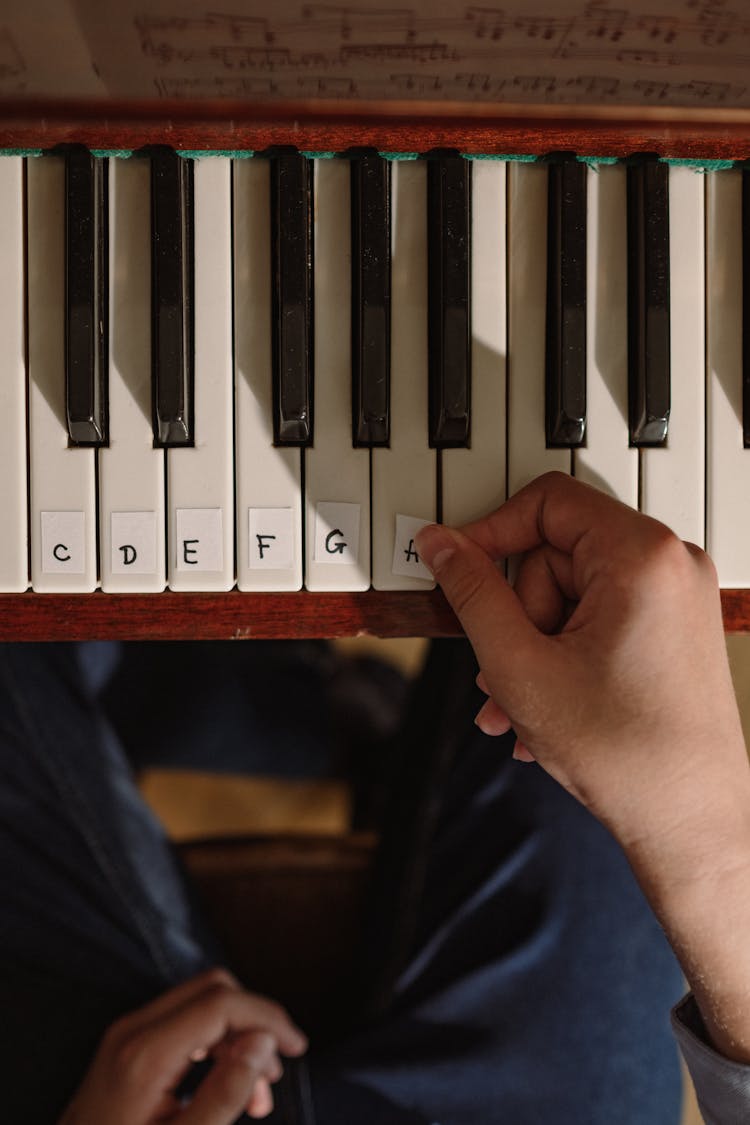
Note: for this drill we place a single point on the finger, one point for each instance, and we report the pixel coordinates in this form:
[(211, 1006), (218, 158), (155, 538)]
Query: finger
[(261, 1103), (221, 1010), (230, 1087), (544, 586), (492, 720), (510, 650), (521, 753), (176, 997), (555, 509)]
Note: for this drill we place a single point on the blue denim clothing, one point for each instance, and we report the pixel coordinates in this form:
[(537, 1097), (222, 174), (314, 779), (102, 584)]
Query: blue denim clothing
[(537, 988)]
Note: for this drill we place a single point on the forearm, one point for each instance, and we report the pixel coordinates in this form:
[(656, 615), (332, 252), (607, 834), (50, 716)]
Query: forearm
[(697, 880)]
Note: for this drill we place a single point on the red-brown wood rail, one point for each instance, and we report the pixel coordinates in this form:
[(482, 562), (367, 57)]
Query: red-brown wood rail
[(389, 126), (237, 616)]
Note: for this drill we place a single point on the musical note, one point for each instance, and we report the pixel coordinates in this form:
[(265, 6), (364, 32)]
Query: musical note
[(714, 93), (536, 83), (663, 28), (605, 25), (645, 57), (547, 28), (473, 83), (327, 86), (596, 88), (243, 87), (652, 90), (488, 23), (716, 24), (360, 21), (414, 52), (416, 83)]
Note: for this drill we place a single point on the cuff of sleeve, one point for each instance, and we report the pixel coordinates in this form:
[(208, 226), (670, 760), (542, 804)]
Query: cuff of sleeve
[(721, 1085)]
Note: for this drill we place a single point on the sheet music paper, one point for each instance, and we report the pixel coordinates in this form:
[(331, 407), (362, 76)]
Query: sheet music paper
[(44, 52), (646, 52)]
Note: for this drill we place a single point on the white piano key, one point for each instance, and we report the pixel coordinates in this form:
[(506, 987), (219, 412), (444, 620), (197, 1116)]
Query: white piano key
[(337, 476), (607, 461), (200, 481), (131, 472), (404, 475), (672, 484), (62, 478), (14, 575), (727, 462), (473, 480), (269, 490), (528, 455)]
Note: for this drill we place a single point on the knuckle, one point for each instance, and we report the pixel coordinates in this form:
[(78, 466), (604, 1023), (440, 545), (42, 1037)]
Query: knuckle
[(671, 564), (218, 976), (704, 563), (215, 996), (554, 478)]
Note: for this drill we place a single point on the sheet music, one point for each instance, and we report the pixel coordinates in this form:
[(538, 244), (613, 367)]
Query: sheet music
[(43, 51), (646, 52)]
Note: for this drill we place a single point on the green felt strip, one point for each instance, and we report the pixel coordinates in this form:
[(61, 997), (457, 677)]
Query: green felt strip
[(198, 153), (516, 157), (697, 163)]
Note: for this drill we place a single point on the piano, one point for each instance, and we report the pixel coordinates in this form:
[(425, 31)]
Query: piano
[(251, 345)]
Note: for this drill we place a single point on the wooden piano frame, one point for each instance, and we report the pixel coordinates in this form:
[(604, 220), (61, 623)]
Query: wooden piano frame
[(688, 134)]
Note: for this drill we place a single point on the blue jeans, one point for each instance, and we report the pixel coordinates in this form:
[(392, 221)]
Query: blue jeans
[(537, 986)]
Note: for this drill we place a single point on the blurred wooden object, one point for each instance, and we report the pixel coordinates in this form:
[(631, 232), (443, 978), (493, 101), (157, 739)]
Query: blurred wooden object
[(290, 913), (193, 804)]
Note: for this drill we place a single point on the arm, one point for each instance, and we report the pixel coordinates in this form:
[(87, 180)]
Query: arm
[(608, 659)]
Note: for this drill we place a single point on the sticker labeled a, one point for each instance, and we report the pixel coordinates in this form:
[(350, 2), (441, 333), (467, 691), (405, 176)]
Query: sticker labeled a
[(406, 561)]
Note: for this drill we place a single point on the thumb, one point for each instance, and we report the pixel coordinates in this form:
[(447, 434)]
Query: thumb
[(509, 647)]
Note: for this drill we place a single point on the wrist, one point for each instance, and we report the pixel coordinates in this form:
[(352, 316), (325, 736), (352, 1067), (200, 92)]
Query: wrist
[(697, 880), (701, 834)]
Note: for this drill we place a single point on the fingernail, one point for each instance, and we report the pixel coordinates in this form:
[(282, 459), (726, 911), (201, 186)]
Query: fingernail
[(435, 545)]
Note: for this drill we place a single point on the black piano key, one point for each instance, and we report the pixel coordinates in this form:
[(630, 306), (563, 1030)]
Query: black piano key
[(648, 301), (746, 307), (371, 299), (566, 303), (449, 270), (172, 312), (291, 255), (86, 300)]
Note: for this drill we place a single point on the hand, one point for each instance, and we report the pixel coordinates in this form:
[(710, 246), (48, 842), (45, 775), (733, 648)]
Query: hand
[(608, 660), (145, 1055), (608, 657)]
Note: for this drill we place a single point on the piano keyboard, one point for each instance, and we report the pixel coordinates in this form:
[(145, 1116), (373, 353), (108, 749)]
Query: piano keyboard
[(269, 372)]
